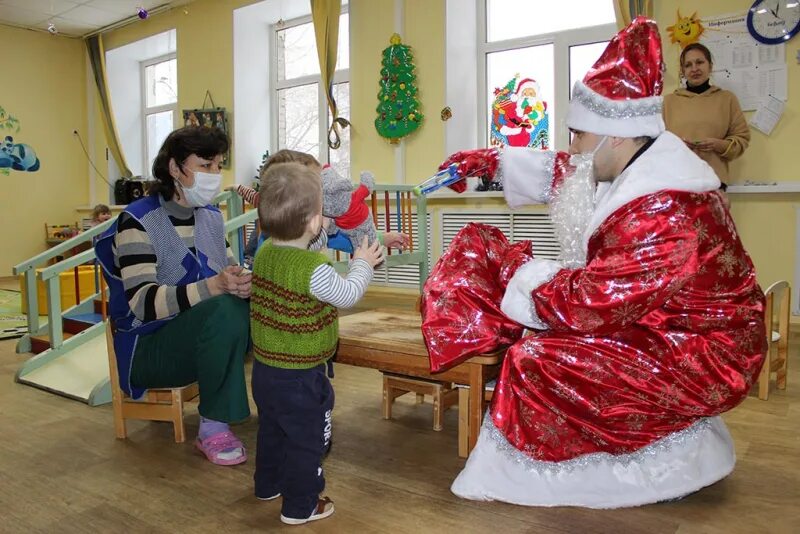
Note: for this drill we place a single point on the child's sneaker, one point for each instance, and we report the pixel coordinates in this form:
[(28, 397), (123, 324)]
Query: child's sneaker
[(324, 509), (268, 497)]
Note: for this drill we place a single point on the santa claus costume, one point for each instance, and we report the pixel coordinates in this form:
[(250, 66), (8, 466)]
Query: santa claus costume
[(648, 330)]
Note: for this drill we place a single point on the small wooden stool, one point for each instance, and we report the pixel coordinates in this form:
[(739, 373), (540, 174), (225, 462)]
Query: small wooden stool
[(157, 404), (443, 394)]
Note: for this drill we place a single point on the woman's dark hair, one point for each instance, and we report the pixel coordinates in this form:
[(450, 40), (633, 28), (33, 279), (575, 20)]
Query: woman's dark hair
[(696, 46), (203, 141)]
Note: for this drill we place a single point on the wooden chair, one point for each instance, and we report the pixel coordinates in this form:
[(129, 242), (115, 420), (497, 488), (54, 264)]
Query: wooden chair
[(777, 360), (155, 405), (444, 396)]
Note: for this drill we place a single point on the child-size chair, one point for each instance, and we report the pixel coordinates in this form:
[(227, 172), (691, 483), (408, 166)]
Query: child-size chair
[(777, 360), (444, 396), (156, 404)]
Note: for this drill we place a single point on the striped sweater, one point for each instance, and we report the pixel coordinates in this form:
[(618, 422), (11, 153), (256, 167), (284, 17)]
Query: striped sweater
[(135, 258)]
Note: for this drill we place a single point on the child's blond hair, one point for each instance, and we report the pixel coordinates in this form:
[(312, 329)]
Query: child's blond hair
[(285, 155), (290, 195)]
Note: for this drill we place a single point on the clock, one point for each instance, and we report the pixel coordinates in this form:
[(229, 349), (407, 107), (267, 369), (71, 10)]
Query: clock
[(774, 21)]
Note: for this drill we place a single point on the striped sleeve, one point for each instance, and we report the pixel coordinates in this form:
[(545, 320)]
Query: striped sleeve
[(137, 263), (328, 286), (248, 194), (319, 242)]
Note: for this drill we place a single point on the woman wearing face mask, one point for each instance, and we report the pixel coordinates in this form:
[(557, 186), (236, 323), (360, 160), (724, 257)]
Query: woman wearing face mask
[(707, 118), (176, 293)]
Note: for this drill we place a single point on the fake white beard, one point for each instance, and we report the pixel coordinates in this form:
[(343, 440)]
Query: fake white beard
[(571, 207)]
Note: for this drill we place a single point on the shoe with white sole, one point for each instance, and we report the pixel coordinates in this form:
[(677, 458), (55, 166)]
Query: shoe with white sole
[(324, 509)]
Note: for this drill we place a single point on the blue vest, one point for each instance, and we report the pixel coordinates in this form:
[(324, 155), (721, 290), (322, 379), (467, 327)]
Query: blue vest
[(176, 266)]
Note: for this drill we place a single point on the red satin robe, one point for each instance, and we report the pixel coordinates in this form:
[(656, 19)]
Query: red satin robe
[(662, 327)]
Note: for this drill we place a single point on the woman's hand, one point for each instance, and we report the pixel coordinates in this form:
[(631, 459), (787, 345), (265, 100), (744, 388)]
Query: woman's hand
[(372, 254), (233, 280), (396, 240), (710, 145)]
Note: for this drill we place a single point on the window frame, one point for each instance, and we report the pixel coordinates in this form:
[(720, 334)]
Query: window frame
[(561, 41), (152, 110), (339, 76)]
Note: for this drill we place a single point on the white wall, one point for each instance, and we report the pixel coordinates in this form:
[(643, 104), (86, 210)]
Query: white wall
[(125, 87), (461, 83)]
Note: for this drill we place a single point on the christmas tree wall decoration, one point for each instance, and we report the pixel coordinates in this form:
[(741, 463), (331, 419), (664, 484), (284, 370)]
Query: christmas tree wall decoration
[(398, 107)]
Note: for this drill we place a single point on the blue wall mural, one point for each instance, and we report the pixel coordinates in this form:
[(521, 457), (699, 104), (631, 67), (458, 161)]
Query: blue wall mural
[(15, 156)]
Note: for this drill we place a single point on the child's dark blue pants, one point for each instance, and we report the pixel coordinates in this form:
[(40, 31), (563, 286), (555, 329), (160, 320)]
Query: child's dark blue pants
[(294, 430)]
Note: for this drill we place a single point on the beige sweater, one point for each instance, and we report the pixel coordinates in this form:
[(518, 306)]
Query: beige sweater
[(712, 114)]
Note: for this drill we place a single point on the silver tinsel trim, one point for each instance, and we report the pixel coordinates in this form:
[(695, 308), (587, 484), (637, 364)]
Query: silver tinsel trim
[(571, 208), (549, 163), (590, 460), (616, 109)]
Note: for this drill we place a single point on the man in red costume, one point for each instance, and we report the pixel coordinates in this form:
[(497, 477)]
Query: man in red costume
[(649, 327)]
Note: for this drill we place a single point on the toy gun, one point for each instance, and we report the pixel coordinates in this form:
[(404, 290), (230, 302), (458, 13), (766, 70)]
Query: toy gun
[(447, 176)]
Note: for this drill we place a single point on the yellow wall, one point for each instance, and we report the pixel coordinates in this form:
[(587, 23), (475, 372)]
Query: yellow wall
[(766, 222), (44, 87), (371, 25)]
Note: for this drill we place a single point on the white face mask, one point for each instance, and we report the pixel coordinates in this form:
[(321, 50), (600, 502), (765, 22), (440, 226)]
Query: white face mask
[(585, 158), (206, 186)]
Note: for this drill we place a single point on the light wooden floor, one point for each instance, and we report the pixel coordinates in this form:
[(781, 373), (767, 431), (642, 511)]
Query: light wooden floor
[(61, 470)]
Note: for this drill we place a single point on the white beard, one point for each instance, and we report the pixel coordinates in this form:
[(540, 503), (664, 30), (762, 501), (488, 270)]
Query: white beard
[(571, 209)]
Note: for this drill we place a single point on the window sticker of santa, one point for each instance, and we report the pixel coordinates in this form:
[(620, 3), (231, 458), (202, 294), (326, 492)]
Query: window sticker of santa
[(519, 115)]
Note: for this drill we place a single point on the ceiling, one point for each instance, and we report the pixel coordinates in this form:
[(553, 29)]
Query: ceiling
[(76, 18)]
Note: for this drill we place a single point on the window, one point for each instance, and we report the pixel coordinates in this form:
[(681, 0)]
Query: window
[(526, 71), (299, 99), (160, 105)]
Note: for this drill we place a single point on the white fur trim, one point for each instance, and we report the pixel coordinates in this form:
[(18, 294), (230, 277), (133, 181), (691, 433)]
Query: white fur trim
[(591, 112), (667, 165), (495, 471), (527, 175), (517, 303)]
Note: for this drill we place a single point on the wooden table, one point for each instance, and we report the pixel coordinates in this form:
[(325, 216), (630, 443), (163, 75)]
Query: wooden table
[(391, 340)]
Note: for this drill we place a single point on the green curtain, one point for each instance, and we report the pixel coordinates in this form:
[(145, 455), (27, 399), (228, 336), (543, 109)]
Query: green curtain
[(325, 14), (97, 58), (627, 10)]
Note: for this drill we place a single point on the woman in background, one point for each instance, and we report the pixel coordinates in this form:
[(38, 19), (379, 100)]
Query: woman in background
[(707, 118)]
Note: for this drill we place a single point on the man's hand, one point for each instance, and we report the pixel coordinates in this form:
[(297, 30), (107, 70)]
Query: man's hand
[(233, 280), (372, 254), (479, 162)]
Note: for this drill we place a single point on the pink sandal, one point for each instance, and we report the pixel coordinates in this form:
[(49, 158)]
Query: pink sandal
[(215, 445)]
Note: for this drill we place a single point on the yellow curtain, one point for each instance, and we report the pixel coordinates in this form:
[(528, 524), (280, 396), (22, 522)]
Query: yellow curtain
[(627, 10), (325, 14), (97, 58)]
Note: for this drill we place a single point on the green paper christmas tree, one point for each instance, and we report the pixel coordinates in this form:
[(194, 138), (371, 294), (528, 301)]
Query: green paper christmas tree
[(398, 107)]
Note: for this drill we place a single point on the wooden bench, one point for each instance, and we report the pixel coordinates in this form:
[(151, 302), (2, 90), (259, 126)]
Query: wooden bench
[(390, 340)]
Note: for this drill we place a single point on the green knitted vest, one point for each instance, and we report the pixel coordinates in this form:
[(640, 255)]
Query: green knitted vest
[(290, 327)]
